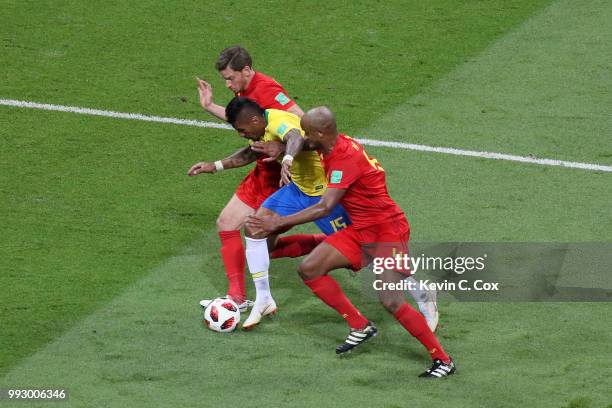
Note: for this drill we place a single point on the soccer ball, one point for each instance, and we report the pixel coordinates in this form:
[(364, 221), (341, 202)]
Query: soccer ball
[(222, 315)]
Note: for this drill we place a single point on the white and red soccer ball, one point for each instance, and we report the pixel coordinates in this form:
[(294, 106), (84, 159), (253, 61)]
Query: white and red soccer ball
[(222, 315)]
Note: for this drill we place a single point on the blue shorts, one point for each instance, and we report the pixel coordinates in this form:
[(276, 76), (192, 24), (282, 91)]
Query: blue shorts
[(290, 200)]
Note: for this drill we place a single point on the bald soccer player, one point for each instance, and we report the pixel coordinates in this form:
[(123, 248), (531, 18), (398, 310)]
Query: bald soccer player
[(379, 229)]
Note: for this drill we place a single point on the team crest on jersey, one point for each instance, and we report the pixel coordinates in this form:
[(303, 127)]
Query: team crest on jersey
[(282, 98), (336, 176)]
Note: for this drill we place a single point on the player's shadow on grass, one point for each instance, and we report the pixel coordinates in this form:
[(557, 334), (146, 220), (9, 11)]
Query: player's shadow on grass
[(318, 323), (328, 330)]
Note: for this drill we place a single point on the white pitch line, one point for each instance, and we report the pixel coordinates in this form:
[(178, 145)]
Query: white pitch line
[(367, 142), (111, 114), (486, 155)]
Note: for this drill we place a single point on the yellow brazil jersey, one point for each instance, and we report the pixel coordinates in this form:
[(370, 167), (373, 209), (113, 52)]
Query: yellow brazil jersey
[(306, 171)]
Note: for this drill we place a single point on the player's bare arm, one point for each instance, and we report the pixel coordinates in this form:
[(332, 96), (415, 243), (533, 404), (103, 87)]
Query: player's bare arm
[(294, 143), (265, 225), (206, 99), (296, 110), (240, 158)]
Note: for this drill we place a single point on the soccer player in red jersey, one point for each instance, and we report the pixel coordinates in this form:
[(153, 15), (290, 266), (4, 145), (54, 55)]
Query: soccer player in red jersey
[(236, 67), (379, 229)]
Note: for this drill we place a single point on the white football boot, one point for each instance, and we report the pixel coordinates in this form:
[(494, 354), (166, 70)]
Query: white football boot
[(261, 309), (243, 307), (429, 310), (426, 300)]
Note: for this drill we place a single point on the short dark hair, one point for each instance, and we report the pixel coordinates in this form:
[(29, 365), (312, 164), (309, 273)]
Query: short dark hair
[(235, 57), (240, 106)]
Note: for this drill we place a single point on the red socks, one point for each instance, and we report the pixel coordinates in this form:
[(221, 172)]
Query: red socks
[(293, 246), (328, 290), (232, 252), (416, 324)]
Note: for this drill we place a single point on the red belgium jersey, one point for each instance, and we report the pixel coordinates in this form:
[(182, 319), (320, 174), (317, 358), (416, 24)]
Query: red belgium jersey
[(366, 200), (267, 93)]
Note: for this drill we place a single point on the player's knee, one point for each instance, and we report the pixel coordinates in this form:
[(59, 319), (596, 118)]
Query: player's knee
[(308, 269), (224, 223), (392, 305), (229, 222)]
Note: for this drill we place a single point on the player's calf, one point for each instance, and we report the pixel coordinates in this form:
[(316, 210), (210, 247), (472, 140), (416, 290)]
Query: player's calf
[(392, 304), (310, 268)]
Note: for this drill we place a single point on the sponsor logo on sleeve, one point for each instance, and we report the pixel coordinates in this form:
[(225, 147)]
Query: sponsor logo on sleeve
[(336, 176), (282, 98), (282, 129)]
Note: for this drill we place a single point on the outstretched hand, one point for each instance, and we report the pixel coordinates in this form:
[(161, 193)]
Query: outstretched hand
[(205, 91), (202, 167)]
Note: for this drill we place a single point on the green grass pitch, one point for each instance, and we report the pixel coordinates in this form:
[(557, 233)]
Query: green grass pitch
[(107, 245)]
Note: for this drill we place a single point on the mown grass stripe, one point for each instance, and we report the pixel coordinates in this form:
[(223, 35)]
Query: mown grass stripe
[(368, 142)]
